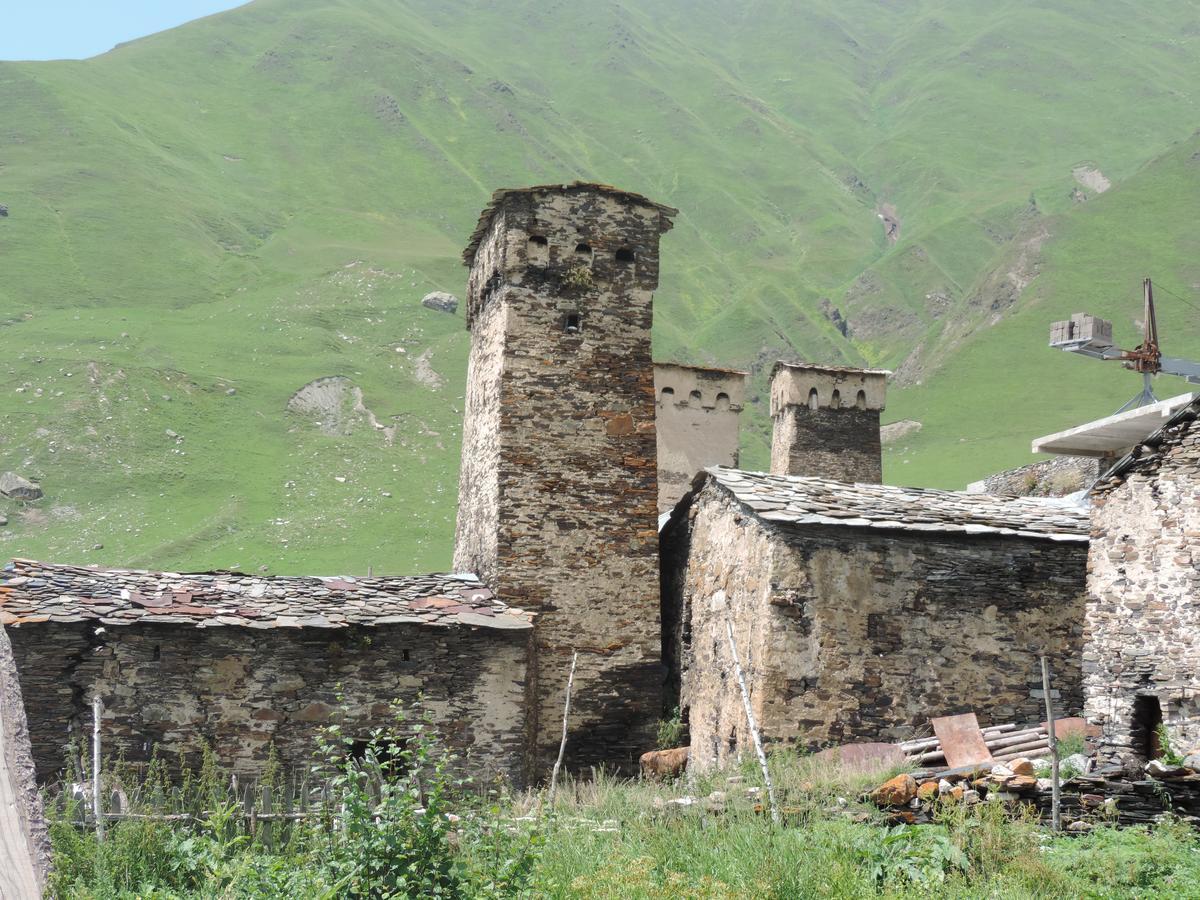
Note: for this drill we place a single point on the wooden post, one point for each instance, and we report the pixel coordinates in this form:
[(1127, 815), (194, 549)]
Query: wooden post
[(562, 746), (24, 843), (97, 800), (1055, 816), (758, 748)]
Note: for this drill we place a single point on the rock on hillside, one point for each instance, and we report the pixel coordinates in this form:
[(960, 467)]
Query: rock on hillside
[(18, 488), (441, 301)]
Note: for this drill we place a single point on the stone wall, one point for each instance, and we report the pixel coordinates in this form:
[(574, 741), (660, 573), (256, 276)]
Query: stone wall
[(696, 415), (1142, 657), (243, 691), (826, 422), (850, 634), (561, 288)]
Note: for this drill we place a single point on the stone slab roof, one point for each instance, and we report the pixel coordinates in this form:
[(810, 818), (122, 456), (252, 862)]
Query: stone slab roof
[(1147, 455), (33, 592), (792, 500), (498, 198)]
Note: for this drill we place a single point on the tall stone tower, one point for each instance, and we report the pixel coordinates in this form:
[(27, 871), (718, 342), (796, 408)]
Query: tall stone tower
[(558, 489), (826, 421)]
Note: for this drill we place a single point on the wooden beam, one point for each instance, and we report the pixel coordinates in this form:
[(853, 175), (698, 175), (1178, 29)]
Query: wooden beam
[(24, 842)]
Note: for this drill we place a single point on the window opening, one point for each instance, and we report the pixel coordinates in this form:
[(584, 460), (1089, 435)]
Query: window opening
[(836, 400), (624, 256), (812, 399), (572, 323), (538, 249), (722, 401), (584, 252), (861, 400)]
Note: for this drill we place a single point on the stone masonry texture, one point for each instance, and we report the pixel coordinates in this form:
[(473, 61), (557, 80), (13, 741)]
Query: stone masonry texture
[(175, 687), (1142, 656), (558, 492), (247, 663), (850, 633)]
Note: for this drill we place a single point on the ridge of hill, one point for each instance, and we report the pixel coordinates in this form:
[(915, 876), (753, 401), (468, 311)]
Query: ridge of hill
[(205, 221)]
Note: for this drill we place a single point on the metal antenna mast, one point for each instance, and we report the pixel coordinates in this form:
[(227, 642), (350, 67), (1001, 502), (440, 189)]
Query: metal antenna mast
[(1092, 336)]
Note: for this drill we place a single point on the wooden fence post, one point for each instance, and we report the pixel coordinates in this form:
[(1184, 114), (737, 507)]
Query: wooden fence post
[(562, 747), (24, 842), (1055, 815), (97, 798), (758, 747)]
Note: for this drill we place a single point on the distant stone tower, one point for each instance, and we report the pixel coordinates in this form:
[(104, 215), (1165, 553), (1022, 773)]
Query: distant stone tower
[(697, 422), (558, 488), (826, 421)]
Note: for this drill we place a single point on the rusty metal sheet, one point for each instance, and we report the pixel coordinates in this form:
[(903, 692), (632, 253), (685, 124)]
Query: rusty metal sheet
[(864, 757), (961, 740)]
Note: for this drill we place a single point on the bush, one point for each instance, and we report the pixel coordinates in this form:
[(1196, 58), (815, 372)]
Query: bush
[(670, 731)]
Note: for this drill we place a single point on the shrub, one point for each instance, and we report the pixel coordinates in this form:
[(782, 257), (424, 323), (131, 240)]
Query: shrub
[(670, 731)]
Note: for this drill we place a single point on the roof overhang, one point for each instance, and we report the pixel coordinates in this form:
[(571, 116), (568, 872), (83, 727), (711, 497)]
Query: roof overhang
[(1112, 435)]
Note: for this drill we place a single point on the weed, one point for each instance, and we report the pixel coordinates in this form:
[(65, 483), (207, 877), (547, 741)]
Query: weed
[(670, 731)]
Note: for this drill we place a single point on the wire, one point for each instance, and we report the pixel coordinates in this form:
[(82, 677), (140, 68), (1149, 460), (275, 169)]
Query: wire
[(1177, 297)]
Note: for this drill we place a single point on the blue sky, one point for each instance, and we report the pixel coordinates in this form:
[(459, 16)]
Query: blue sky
[(77, 29)]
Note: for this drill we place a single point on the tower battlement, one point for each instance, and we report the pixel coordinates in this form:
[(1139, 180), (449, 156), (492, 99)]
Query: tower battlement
[(826, 421)]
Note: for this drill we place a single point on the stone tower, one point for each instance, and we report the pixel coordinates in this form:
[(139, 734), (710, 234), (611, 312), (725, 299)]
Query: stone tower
[(558, 489), (697, 422), (826, 421)]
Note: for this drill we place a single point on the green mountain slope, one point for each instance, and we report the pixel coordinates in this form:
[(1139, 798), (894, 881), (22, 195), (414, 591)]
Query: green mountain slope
[(204, 221)]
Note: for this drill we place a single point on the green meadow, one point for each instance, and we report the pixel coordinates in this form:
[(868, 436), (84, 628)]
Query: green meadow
[(203, 221)]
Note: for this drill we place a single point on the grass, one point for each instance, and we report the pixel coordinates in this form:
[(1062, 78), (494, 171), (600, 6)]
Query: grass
[(260, 198), (605, 838)]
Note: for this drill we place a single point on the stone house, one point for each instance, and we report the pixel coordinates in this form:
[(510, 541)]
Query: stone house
[(246, 663), (1141, 659), (861, 610)]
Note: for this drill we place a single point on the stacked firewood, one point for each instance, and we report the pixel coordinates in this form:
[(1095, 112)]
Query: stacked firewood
[(1006, 742)]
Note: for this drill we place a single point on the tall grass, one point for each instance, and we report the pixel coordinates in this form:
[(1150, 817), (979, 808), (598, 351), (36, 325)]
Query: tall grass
[(402, 821)]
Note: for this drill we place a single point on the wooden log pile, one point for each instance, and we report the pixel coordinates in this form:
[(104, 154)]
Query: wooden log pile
[(1006, 742)]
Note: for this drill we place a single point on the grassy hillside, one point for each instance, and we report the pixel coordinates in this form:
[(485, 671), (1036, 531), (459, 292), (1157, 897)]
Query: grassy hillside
[(204, 221)]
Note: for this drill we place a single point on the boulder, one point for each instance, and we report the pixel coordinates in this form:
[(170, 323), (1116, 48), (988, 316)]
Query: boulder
[(18, 488), (1021, 783), (927, 791), (1156, 768), (441, 301), (1022, 766), (896, 792), (663, 764), (1191, 761), (3, 211)]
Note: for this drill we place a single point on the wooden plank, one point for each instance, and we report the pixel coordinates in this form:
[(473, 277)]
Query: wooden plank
[(961, 740), (24, 842)]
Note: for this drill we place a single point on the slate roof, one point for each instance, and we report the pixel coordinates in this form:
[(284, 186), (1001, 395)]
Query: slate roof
[(498, 198), (1148, 455), (793, 500), (39, 592)]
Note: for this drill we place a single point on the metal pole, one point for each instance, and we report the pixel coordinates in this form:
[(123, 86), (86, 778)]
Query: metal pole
[(1055, 820), (97, 805)]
